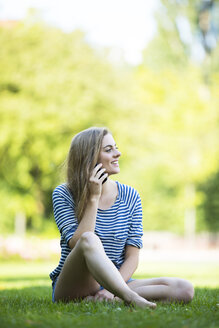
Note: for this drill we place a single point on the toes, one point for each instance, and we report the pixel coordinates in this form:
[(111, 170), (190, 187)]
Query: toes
[(153, 305)]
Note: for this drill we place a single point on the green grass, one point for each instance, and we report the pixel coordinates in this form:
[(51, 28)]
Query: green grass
[(25, 301)]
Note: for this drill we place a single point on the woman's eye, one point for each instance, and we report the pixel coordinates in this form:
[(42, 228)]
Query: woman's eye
[(110, 149)]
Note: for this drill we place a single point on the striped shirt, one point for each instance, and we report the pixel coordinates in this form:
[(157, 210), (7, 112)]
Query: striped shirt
[(118, 226)]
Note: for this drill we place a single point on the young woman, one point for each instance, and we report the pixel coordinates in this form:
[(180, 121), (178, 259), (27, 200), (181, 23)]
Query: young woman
[(100, 222)]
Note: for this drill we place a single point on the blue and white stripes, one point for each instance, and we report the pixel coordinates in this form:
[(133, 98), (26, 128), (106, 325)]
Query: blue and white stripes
[(118, 226)]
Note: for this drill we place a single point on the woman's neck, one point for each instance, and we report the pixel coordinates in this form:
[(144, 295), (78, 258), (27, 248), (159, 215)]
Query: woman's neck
[(107, 187), (108, 195)]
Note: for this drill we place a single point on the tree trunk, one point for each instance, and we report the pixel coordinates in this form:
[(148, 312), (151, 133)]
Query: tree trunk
[(190, 212), (20, 224)]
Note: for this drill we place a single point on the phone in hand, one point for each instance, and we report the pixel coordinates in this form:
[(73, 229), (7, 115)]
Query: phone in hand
[(101, 175)]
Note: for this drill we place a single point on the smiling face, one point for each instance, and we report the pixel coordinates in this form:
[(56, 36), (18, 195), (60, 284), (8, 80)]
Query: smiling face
[(109, 155)]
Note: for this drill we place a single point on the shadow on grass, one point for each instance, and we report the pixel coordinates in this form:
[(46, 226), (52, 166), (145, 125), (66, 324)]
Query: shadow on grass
[(27, 295), (24, 278)]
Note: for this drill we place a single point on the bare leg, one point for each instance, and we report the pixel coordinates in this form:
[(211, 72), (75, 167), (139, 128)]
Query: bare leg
[(86, 267), (166, 289)]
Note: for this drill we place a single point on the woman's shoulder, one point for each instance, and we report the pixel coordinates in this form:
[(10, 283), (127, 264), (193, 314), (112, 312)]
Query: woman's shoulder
[(63, 191), (127, 193)]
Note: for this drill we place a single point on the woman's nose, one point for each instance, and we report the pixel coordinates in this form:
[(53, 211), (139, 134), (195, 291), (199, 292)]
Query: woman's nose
[(117, 153)]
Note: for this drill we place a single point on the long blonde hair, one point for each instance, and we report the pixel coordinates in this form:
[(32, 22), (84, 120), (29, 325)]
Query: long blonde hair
[(82, 158)]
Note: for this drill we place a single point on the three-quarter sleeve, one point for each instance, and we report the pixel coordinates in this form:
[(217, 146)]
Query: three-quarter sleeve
[(136, 229), (64, 214)]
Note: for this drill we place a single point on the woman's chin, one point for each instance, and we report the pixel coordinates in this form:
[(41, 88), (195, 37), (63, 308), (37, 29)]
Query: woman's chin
[(115, 171)]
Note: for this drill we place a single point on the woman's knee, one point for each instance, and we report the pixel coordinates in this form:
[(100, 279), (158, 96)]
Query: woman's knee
[(89, 241), (185, 291)]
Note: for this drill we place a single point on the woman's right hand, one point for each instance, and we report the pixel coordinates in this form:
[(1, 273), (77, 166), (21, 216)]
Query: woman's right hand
[(95, 182)]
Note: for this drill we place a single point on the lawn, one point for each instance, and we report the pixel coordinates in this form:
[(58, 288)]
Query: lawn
[(25, 296)]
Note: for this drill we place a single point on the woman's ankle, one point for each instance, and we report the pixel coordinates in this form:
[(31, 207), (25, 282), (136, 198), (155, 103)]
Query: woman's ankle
[(129, 296)]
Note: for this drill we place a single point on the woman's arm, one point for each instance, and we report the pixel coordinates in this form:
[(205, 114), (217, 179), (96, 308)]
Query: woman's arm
[(130, 263), (134, 240), (88, 220)]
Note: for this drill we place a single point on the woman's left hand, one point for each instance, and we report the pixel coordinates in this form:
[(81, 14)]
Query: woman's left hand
[(103, 295)]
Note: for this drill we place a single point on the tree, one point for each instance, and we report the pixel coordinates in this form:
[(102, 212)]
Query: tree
[(52, 85), (163, 115), (180, 118), (210, 204)]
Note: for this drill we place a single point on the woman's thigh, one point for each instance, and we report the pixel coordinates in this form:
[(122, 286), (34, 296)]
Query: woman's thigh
[(75, 280)]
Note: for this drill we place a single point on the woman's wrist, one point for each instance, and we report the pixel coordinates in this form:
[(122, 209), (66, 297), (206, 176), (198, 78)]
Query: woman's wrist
[(94, 199)]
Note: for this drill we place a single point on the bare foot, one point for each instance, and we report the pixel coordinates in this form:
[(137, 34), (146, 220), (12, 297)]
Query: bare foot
[(134, 299), (141, 302)]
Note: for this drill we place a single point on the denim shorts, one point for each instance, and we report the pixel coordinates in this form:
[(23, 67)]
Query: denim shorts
[(53, 289)]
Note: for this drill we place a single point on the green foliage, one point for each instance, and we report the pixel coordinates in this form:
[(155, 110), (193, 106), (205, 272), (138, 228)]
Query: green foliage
[(163, 114), (179, 101), (210, 204), (52, 85), (177, 140)]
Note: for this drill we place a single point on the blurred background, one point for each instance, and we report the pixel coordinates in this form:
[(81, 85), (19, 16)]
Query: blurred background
[(149, 71)]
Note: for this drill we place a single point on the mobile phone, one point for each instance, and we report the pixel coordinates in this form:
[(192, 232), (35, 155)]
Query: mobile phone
[(101, 174)]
